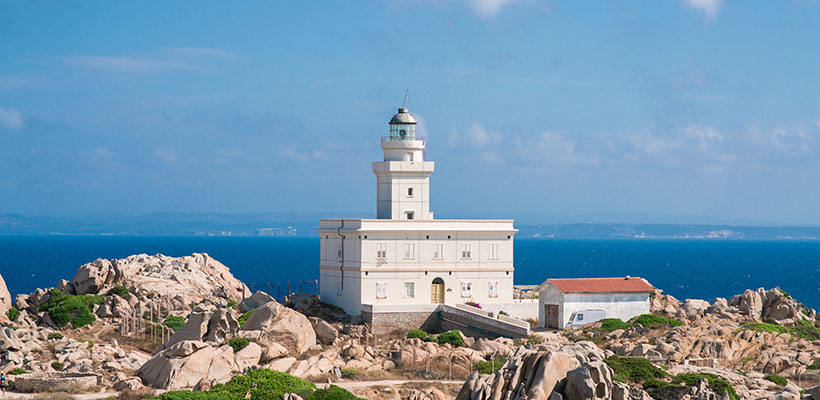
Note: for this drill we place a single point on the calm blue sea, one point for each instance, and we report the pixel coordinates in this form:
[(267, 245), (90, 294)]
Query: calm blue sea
[(702, 269)]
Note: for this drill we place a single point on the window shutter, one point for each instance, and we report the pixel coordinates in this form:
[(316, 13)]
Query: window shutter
[(494, 289), (381, 290)]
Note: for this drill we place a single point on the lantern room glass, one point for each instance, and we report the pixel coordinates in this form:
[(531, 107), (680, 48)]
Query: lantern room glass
[(402, 131)]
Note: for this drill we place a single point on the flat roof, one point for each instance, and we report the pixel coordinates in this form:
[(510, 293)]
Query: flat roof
[(625, 284)]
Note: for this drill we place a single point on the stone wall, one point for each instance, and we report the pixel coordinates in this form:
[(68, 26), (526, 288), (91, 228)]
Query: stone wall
[(49, 381), (390, 322)]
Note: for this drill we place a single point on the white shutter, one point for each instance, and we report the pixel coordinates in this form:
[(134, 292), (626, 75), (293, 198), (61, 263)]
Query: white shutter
[(465, 289), (494, 289), (381, 290)]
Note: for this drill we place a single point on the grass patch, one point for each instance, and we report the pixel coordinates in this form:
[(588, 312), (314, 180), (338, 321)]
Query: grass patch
[(76, 310), (803, 329), (654, 321), (634, 369), (716, 383), (18, 371), (776, 379), (118, 290), (332, 393), (490, 366), (349, 372), (244, 317), (814, 365), (747, 359), (451, 337), (189, 395), (13, 313), (58, 366), (238, 343), (174, 322), (232, 303), (612, 324)]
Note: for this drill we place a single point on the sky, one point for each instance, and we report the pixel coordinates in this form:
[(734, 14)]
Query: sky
[(660, 111)]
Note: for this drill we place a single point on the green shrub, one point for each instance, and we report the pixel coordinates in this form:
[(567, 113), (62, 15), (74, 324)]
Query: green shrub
[(452, 337), (332, 393), (805, 329), (18, 371), (776, 379), (55, 335), (490, 366), (634, 369), (654, 387), (244, 317), (612, 324), (716, 383), (174, 322), (232, 303), (118, 290), (270, 385), (417, 334), (189, 395), (654, 321), (13, 313), (64, 309), (763, 327), (238, 343), (814, 365), (747, 359), (58, 366), (349, 372)]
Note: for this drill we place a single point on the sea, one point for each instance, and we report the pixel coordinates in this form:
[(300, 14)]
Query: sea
[(698, 269)]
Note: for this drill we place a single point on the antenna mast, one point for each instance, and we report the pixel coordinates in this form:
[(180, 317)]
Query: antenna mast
[(403, 102)]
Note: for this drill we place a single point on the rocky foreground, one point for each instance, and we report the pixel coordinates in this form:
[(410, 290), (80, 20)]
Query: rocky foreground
[(165, 323)]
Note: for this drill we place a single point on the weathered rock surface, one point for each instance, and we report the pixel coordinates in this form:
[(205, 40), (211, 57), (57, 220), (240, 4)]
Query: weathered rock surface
[(274, 323), (254, 301), (5, 297), (177, 367), (593, 381), (325, 332)]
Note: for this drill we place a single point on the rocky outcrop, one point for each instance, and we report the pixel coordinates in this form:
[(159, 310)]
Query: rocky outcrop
[(775, 304), (5, 297), (212, 327), (184, 364), (183, 280), (274, 324), (592, 381), (325, 332), (254, 301)]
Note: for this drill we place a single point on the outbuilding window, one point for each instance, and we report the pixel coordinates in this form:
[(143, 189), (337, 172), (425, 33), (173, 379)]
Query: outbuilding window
[(409, 290), (381, 290)]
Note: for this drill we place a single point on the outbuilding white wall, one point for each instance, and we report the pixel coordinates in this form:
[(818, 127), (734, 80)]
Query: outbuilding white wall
[(616, 305)]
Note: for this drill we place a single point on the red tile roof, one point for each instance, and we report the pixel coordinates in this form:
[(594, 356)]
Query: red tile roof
[(602, 285)]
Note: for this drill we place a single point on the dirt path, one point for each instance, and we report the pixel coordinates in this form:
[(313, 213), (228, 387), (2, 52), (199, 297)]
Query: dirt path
[(80, 396), (363, 384)]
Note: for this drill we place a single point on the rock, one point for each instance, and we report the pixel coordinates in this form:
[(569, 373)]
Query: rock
[(128, 384), (222, 326), (166, 371), (592, 380), (203, 385), (9, 340), (274, 323), (255, 301), (195, 328), (693, 308), (21, 301), (291, 396), (114, 307), (248, 357), (551, 369), (749, 303), (5, 297), (814, 392), (66, 287), (90, 278), (325, 332)]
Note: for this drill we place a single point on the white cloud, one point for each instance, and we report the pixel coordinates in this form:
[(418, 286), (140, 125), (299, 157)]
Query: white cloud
[(302, 156), (168, 59), (105, 157), (168, 155), (478, 135), (709, 8), (488, 8), (11, 119)]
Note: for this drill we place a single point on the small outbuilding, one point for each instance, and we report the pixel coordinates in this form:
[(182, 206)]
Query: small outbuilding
[(622, 298)]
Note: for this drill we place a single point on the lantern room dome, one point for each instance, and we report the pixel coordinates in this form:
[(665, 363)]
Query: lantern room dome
[(403, 117)]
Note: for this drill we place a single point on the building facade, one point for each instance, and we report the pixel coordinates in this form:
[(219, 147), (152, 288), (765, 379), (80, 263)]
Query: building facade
[(621, 298), (405, 260)]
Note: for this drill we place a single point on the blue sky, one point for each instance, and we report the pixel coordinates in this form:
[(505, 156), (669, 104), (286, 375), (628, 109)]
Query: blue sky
[(666, 111)]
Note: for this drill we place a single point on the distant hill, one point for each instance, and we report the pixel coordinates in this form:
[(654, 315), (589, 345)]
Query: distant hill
[(304, 225)]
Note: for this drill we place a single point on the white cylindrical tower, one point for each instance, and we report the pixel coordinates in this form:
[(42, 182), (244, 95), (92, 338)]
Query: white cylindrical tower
[(403, 176)]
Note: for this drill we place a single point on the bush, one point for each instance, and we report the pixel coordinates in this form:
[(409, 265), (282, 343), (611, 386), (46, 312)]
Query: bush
[(716, 383), (244, 317), (452, 337), (634, 369), (417, 334), (118, 290), (612, 324), (490, 366), (58, 366), (18, 371), (13, 313), (654, 387), (189, 395), (654, 321), (238, 343), (270, 385), (64, 309), (174, 322), (805, 330), (763, 327), (55, 335), (232, 303), (814, 365), (776, 379), (747, 359), (349, 372), (332, 393)]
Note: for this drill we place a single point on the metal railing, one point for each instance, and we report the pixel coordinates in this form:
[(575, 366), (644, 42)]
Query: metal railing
[(281, 289)]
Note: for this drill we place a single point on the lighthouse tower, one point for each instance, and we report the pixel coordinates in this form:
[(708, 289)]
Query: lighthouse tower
[(403, 177)]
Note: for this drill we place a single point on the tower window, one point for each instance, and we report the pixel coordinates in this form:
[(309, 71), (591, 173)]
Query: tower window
[(494, 251), (466, 289), (409, 251), (381, 251), (410, 215), (409, 289), (438, 252), (409, 192), (466, 252)]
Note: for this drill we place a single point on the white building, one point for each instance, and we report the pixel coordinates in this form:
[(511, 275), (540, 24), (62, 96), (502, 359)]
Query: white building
[(622, 298), (404, 261)]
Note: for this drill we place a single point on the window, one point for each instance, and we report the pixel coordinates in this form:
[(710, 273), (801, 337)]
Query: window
[(438, 252), (409, 192), (466, 251), (466, 289), (494, 252), (381, 250), (338, 288), (580, 317), (409, 251), (339, 254), (494, 289), (381, 290), (409, 289), (408, 157), (410, 215)]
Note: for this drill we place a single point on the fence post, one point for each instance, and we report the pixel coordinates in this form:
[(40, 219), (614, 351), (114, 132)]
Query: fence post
[(316, 282)]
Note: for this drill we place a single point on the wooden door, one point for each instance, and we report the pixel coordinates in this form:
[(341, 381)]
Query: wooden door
[(551, 316), (437, 293)]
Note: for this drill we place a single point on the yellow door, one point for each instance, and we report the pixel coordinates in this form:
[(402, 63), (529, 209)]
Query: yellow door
[(438, 292)]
